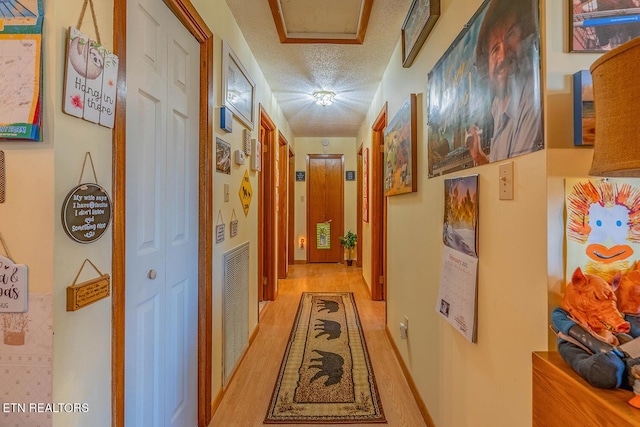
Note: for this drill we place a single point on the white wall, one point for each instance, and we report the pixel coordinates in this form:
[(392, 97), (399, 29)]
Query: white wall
[(82, 340), (488, 383), (308, 145)]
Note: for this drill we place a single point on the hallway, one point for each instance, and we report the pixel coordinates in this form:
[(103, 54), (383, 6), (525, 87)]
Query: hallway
[(247, 398)]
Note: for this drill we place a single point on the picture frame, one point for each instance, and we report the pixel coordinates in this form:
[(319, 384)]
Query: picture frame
[(601, 26), (420, 20), (466, 130), (223, 157), (584, 114), (400, 150), (365, 185), (238, 88)]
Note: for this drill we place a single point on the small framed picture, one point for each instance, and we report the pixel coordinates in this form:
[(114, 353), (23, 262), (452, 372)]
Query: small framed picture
[(223, 156)]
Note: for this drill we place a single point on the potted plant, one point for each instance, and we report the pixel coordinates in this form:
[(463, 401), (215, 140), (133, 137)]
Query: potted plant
[(349, 243)]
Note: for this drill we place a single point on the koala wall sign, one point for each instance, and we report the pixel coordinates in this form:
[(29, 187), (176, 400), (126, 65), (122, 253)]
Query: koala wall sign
[(90, 82)]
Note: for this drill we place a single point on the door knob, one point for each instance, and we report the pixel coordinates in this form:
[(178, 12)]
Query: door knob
[(152, 274)]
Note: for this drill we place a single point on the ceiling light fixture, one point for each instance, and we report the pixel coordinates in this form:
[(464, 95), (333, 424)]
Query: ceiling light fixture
[(324, 97)]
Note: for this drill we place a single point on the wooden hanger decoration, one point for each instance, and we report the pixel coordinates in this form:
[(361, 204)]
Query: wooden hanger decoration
[(13, 284), (91, 76), (82, 294), (86, 211), (219, 228)]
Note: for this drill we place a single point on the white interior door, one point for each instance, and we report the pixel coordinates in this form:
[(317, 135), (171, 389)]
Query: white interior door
[(162, 218)]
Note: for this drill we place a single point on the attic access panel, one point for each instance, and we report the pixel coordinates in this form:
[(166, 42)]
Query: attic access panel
[(329, 21)]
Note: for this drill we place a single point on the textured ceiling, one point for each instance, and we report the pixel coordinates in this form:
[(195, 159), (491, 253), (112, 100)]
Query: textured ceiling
[(295, 71)]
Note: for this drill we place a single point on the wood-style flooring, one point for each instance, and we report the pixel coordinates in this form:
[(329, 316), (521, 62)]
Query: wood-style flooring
[(246, 399)]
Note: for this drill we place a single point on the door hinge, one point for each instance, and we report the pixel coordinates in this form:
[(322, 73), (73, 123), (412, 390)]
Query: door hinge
[(381, 280), (264, 281), (265, 148), (381, 148)]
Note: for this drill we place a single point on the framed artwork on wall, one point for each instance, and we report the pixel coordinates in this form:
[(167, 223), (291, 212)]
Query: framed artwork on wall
[(598, 26), (400, 150), (584, 114), (238, 89), (472, 91), (421, 18)]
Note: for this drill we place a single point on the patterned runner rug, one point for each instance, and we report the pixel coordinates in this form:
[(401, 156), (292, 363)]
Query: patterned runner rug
[(326, 374)]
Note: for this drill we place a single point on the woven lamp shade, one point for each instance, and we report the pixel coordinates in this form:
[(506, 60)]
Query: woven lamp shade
[(616, 97)]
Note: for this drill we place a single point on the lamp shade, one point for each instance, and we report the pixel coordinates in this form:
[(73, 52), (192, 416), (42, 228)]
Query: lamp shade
[(616, 97)]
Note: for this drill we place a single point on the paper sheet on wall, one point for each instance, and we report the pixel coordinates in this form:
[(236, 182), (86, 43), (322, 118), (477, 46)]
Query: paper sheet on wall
[(458, 294), (26, 362), (21, 69)]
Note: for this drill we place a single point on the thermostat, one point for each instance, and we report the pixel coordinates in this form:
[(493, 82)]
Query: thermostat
[(240, 156)]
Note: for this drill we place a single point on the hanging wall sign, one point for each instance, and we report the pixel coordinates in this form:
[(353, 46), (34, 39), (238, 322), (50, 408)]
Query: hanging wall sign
[(86, 213), (13, 286), (91, 76), (300, 175), (82, 294), (233, 228), (220, 228)]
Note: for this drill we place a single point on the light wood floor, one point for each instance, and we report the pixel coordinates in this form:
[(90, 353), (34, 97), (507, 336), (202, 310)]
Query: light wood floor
[(247, 397)]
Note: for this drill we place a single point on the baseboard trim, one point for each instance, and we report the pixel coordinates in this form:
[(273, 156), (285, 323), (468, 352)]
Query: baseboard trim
[(216, 401), (222, 390), (412, 385)]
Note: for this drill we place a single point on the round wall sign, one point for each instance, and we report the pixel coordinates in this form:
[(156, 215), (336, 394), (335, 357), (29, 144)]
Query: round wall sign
[(86, 213)]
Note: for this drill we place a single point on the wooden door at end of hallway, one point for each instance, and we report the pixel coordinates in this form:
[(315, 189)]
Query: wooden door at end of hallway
[(325, 207)]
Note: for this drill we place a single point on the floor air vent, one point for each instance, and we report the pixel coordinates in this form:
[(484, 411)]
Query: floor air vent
[(235, 306)]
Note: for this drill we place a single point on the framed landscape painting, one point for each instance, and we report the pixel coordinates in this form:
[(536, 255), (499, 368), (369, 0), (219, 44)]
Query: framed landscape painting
[(419, 22), (400, 150)]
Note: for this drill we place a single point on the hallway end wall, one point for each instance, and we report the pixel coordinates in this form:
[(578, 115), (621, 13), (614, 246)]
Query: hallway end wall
[(313, 145)]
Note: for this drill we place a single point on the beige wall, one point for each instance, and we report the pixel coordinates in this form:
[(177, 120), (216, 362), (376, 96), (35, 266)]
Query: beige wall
[(221, 22), (305, 146), (520, 249)]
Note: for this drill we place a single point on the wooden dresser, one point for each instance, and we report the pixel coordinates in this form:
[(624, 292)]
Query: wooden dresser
[(562, 398)]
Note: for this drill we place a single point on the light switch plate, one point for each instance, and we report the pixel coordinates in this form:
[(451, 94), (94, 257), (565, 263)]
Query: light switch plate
[(226, 192), (506, 181)]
